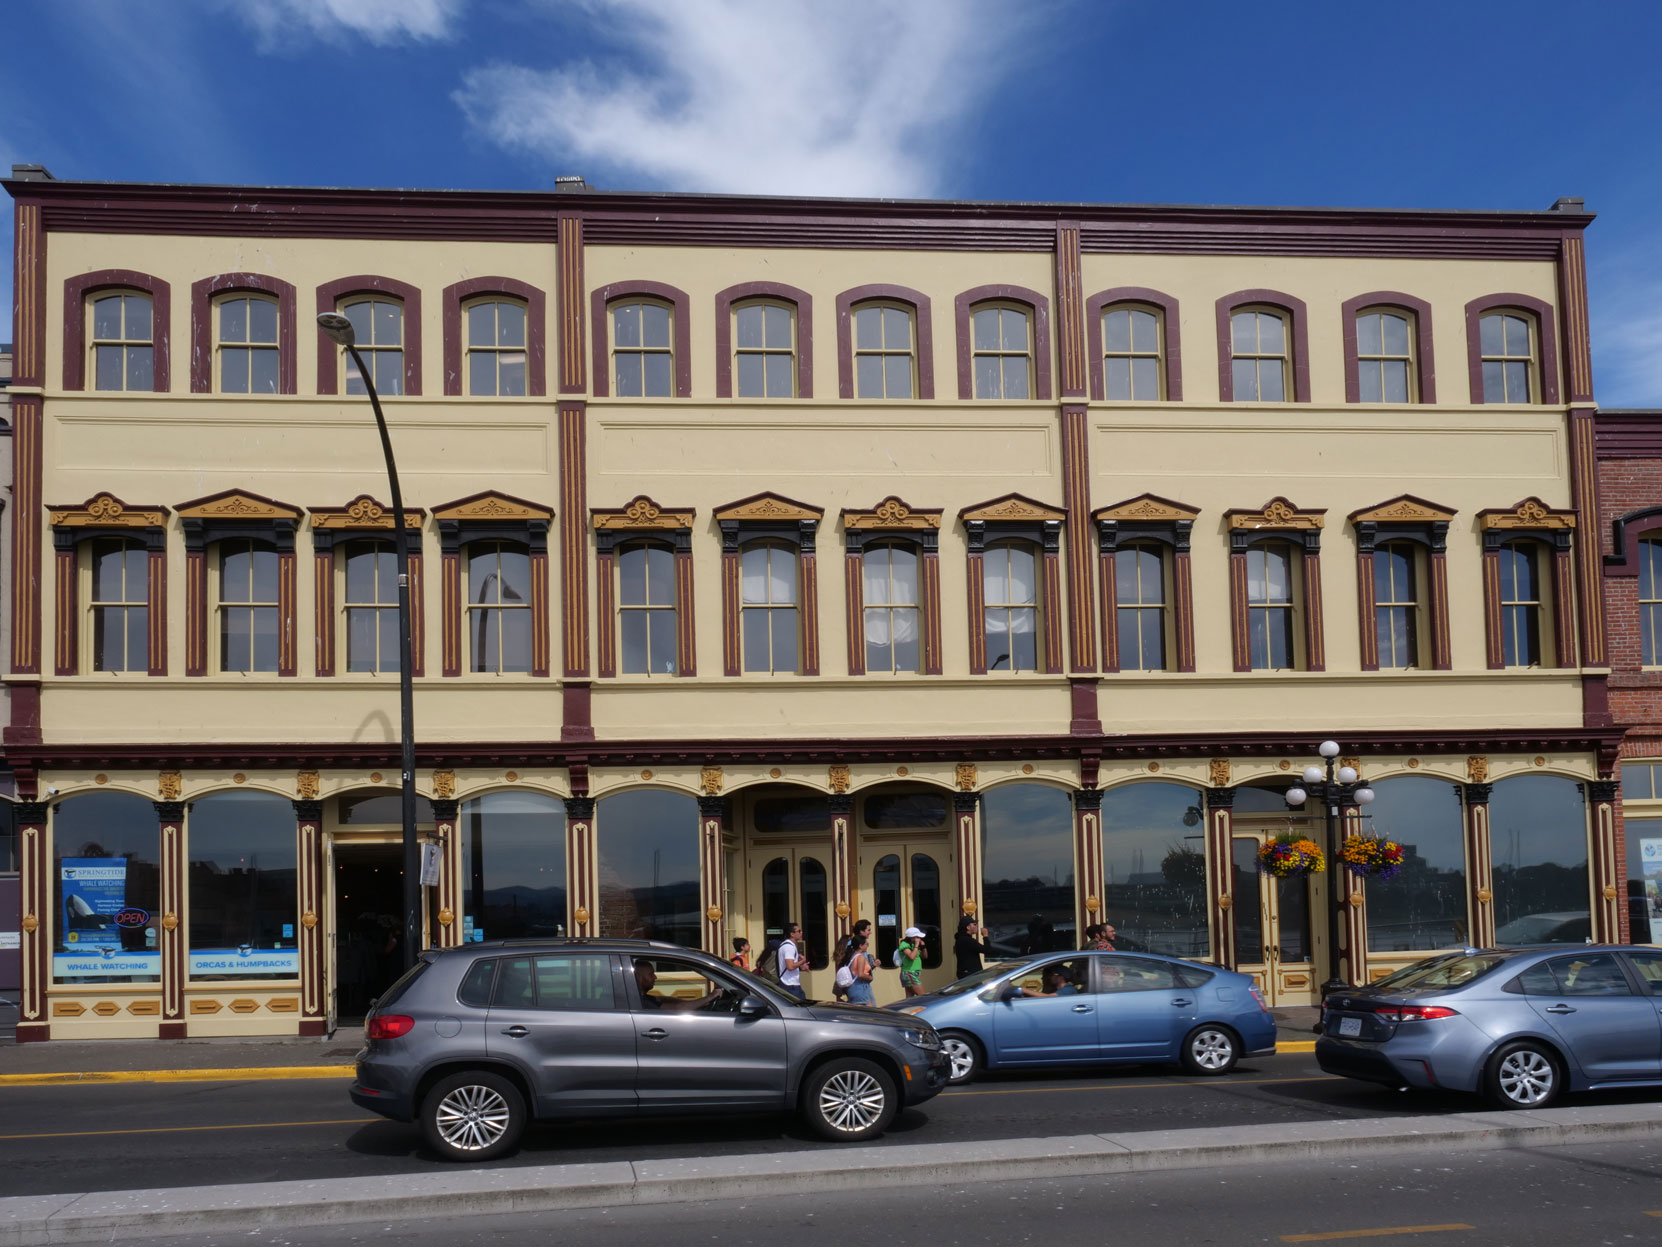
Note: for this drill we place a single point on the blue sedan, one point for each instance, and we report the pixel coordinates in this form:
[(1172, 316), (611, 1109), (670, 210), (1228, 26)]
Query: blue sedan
[(1097, 1007)]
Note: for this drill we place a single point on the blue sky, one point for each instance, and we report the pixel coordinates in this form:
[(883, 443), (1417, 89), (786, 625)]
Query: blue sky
[(1425, 104)]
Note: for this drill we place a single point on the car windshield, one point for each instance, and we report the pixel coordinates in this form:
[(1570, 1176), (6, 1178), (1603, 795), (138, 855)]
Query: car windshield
[(1449, 970), (975, 982)]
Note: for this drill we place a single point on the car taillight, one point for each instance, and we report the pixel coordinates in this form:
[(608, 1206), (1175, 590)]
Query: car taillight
[(1258, 996), (388, 1026), (1414, 1013)]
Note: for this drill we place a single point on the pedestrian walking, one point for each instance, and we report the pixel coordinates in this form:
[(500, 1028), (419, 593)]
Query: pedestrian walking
[(860, 967), (969, 947), (909, 956), (741, 953), (792, 959)]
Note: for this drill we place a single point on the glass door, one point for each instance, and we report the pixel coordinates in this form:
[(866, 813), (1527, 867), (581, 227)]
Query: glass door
[(792, 883), (906, 885), (1272, 928)]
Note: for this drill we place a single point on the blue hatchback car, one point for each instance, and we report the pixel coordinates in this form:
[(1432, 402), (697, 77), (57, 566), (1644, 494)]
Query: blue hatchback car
[(1097, 1007)]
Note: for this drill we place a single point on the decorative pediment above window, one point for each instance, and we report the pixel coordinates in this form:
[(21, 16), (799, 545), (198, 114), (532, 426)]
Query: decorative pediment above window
[(363, 512), (1276, 514), (1403, 509), (107, 511), (1529, 515), (1012, 509), (642, 515), (1146, 509), (1146, 516), (238, 506), (492, 508), (892, 515), (768, 509)]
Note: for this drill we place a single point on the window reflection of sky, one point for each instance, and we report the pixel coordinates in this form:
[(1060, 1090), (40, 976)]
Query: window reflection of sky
[(1424, 906), (1153, 860), (647, 842), (514, 864), (1538, 848), (1027, 865)]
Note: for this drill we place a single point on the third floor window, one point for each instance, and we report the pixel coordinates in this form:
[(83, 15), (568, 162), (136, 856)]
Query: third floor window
[(123, 342), (764, 348), (643, 362), (1384, 357), (247, 345), (496, 348), (1130, 354), (882, 352), (1002, 352), (378, 327)]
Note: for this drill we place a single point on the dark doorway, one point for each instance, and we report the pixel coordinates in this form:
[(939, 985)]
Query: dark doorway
[(369, 902)]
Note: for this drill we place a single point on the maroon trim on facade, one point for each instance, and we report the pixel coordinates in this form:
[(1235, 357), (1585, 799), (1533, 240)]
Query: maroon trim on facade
[(807, 565), (29, 287), (196, 612), (732, 657), (574, 537), (1572, 297), (1086, 719), (323, 612), (175, 972), (202, 295), (1623, 433), (975, 577), (157, 564), (1076, 502), (932, 611), (1366, 618), (1184, 591), (605, 612), (1171, 336), (680, 330), (569, 302), (1563, 604), (1595, 701), (576, 719), (854, 593), (27, 514), (1425, 364), (1108, 587), (34, 951), (923, 330), (331, 295), (686, 618), (450, 627), (801, 300), (287, 658), (1629, 530), (1036, 303), (1296, 312), (1239, 623), (67, 581), (75, 292), (1494, 640), (1546, 334), (1070, 312), (1442, 655), (1584, 493), (536, 330)]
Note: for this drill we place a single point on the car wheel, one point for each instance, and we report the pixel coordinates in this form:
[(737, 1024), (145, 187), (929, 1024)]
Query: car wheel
[(1523, 1075), (1210, 1049), (473, 1116), (964, 1051), (849, 1100)]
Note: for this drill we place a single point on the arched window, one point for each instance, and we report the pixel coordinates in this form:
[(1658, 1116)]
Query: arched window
[(643, 358), (647, 843), (892, 610), (764, 349), (371, 597), (1424, 906), (496, 347), (378, 331), (246, 344), (499, 623), (1260, 355), (1507, 340), (1154, 868), (123, 341), (1650, 603), (1027, 869), (1010, 579), (1140, 606), (768, 607), (106, 860), (884, 347), (1001, 350), (647, 609), (1538, 856), (513, 866), (249, 605), (242, 880), (119, 602), (1385, 356), (1132, 367)]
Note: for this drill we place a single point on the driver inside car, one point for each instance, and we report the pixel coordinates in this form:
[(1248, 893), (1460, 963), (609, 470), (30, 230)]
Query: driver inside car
[(646, 976)]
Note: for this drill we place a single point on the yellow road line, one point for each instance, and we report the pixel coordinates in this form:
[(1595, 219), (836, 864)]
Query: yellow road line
[(1144, 1086), (250, 1073), (1296, 1045), (1379, 1233), (251, 1125)]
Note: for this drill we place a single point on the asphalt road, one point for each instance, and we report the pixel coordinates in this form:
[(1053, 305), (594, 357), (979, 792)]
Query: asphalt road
[(123, 1136), (1583, 1195)]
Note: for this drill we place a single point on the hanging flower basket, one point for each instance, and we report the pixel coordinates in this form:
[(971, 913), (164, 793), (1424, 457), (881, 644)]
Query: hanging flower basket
[(1371, 859), (1291, 857)]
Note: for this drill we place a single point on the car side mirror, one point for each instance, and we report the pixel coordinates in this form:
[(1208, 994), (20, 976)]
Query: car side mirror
[(1009, 991), (754, 1007)]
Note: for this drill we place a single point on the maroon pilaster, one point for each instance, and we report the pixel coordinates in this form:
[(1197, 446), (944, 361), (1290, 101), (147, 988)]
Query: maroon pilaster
[(1563, 606), (854, 594), (1222, 904), (1076, 500), (977, 612), (449, 933), (574, 544), (1494, 640), (1051, 571), (1480, 894), (1085, 719), (1087, 853), (966, 806), (171, 941), (1108, 578), (576, 711), (1366, 620), (323, 616), (314, 1002), (196, 612), (26, 517), (931, 610), (35, 938), (569, 309), (808, 569), (713, 815), (1070, 311), (1442, 653), (580, 866), (1589, 558), (418, 617), (1315, 642), (1606, 867), (450, 580), (539, 612), (732, 660), (67, 629), (605, 609), (288, 660), (1240, 631), (1183, 593)]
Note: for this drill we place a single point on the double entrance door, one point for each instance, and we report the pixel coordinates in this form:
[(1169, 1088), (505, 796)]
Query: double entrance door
[(1272, 926)]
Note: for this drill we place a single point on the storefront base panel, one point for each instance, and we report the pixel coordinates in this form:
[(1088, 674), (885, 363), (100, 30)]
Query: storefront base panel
[(250, 1027), (242, 1009), (90, 1025)]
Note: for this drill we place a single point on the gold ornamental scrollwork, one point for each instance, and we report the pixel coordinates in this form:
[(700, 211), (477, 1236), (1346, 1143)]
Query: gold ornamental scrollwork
[(31, 924), (580, 916), (170, 784), (709, 782), (1354, 764), (306, 785), (1092, 904), (839, 778), (1355, 899), (969, 907), (170, 921), (713, 913), (1609, 891), (966, 777), (446, 917), (1484, 896), (1477, 768), (1220, 772), (308, 920), (444, 785), (1226, 902), (842, 909)]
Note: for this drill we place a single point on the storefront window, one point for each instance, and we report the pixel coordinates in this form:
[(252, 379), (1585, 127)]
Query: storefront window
[(905, 811), (1424, 906), (1154, 868), (106, 885), (242, 887), (1027, 869), (382, 809), (649, 883), (513, 866), (1538, 851), (773, 816), (1644, 880)]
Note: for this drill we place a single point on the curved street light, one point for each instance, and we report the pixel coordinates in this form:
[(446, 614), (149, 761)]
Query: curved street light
[(339, 329), (1335, 787)]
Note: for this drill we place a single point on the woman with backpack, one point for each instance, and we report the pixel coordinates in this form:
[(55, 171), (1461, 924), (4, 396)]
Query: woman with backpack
[(860, 970)]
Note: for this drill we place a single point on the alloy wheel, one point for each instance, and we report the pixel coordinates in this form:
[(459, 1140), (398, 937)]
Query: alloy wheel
[(472, 1118), (852, 1100), (1212, 1050), (962, 1056), (1526, 1077)]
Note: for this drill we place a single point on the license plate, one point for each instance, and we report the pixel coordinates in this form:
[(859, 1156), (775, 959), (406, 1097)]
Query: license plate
[(1350, 1026)]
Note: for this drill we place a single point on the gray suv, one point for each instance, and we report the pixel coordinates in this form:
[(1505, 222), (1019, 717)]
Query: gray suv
[(474, 1040)]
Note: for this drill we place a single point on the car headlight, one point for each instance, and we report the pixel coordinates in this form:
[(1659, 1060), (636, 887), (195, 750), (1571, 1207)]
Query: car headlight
[(926, 1039), (912, 1009)]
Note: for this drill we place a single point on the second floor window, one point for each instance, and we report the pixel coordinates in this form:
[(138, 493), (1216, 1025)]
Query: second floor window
[(892, 621), (1002, 354), (882, 352), (1650, 603), (646, 609), (1396, 604), (499, 606), (1507, 341), (642, 360), (1259, 357), (1270, 606), (1010, 582), (1130, 354), (496, 348), (768, 607), (247, 345), (1140, 607), (1520, 604), (378, 327), (1384, 357), (123, 343), (120, 604), (764, 347), (248, 606), (371, 606)]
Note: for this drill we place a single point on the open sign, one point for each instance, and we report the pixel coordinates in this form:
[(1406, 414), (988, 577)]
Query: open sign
[(132, 918)]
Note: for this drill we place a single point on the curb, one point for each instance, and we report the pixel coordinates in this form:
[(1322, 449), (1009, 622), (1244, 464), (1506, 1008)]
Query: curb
[(244, 1074), (26, 1221)]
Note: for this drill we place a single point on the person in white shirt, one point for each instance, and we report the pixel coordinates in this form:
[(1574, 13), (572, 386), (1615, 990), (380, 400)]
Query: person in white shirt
[(792, 959)]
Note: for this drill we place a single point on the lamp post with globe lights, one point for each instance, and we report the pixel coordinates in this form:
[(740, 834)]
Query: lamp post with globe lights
[(339, 329), (1335, 787)]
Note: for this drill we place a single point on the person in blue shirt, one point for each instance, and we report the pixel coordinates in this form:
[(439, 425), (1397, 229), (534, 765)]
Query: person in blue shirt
[(1056, 983)]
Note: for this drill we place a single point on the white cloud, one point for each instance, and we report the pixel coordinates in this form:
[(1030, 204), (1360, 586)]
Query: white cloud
[(854, 98), (381, 22), (1626, 320)]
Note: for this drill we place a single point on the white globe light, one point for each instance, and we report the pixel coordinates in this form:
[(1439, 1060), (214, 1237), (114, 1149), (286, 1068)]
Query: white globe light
[(1296, 796), (1347, 774), (1363, 796), (1328, 749), (1313, 774)]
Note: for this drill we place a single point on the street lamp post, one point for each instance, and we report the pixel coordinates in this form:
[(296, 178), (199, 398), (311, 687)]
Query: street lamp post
[(1334, 789), (339, 329)]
